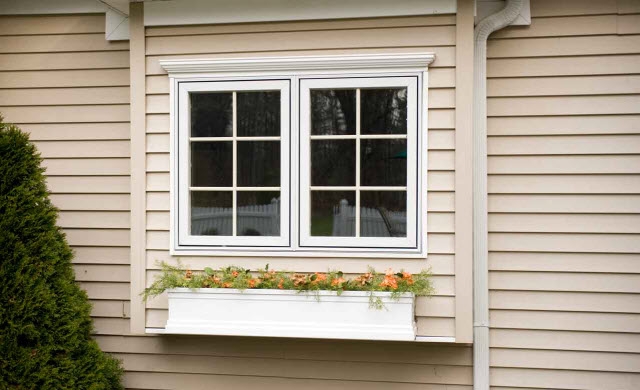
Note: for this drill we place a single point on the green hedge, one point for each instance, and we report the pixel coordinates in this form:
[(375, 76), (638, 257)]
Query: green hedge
[(45, 325)]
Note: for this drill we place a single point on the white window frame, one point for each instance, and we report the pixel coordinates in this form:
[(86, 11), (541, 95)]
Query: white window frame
[(295, 69), (411, 188), (184, 141)]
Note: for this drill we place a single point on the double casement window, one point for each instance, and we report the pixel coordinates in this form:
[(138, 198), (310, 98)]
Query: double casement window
[(294, 164)]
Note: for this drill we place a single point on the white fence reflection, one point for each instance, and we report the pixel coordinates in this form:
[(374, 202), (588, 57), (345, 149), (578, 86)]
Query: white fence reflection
[(264, 220), (374, 222), (254, 220)]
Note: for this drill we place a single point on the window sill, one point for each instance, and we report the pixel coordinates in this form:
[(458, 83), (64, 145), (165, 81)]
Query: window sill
[(394, 253)]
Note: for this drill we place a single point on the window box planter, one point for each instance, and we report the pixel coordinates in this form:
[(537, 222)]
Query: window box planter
[(289, 313)]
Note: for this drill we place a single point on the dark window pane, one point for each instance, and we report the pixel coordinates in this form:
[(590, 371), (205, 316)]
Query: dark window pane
[(211, 164), (258, 163), (383, 162), (211, 213), (258, 113), (383, 214), (333, 213), (333, 163), (383, 111), (333, 111), (258, 213), (211, 114)]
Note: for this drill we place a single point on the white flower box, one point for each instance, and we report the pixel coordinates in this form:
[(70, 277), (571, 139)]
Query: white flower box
[(288, 313)]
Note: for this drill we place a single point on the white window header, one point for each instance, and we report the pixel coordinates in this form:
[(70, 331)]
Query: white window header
[(395, 62)]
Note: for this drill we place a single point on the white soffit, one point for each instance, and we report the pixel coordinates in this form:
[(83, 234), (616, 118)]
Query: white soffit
[(181, 12), (47, 7), (485, 8), (116, 24)]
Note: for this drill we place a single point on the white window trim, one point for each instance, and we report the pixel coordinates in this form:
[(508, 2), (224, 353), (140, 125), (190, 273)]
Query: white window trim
[(183, 149), (308, 241), (294, 68)]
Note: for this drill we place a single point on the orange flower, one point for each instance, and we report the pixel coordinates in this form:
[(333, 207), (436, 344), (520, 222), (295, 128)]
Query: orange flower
[(226, 285), (252, 283), (234, 273), (215, 279), (364, 278), (389, 281), (188, 274), (299, 279), (407, 277), (337, 282), (281, 284), (320, 277)]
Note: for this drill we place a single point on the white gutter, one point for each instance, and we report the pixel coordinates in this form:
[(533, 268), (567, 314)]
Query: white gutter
[(483, 29)]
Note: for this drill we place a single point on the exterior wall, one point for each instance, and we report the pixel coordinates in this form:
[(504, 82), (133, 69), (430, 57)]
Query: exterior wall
[(69, 88), (169, 362), (564, 198), (426, 33)]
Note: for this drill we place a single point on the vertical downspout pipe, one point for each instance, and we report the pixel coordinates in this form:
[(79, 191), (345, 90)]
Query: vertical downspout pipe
[(482, 31)]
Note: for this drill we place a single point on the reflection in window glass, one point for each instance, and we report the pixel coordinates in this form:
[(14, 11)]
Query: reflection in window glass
[(333, 213), (258, 213), (383, 214), (333, 111), (211, 164), (383, 162), (211, 114), (383, 111), (333, 163), (258, 113), (258, 163), (211, 213)]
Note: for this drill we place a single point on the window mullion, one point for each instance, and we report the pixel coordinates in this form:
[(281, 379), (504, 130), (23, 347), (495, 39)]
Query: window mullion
[(357, 211), (234, 206)]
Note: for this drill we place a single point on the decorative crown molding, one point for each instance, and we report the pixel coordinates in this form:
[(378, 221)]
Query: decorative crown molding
[(300, 64)]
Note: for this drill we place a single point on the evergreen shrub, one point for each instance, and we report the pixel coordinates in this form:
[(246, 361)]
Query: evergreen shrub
[(45, 323)]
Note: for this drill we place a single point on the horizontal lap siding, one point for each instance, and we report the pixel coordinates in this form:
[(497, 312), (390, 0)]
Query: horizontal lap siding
[(62, 82), (564, 198), (289, 369)]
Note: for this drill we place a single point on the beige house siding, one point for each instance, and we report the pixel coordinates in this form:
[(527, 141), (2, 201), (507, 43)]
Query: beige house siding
[(170, 362), (69, 88), (436, 316), (564, 198)]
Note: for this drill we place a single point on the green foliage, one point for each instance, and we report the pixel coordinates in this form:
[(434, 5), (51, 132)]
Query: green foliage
[(241, 278), (45, 326)]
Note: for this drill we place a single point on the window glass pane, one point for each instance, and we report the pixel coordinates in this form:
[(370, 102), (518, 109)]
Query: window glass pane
[(211, 213), (211, 164), (211, 114), (383, 162), (258, 163), (333, 213), (258, 113), (258, 213), (333, 162), (383, 111), (383, 214), (333, 111)]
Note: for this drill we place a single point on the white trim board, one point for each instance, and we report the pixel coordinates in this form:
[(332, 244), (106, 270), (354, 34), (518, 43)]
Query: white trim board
[(116, 23), (185, 12), (400, 62)]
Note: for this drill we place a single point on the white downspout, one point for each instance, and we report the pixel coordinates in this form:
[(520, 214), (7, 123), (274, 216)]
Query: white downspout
[(482, 31)]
